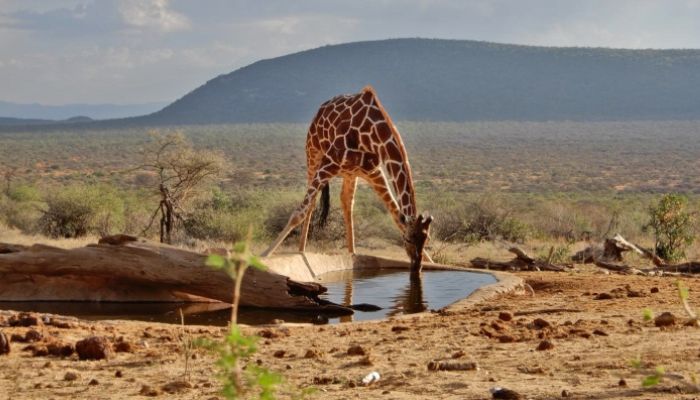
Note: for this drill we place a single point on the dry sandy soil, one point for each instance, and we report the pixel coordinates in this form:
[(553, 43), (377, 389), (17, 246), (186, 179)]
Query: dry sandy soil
[(594, 341)]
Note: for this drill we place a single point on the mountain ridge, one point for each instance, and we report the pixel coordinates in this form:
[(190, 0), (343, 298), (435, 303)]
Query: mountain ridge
[(448, 80)]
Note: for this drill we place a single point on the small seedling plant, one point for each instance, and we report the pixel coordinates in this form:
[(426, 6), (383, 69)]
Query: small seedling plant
[(653, 377), (240, 378)]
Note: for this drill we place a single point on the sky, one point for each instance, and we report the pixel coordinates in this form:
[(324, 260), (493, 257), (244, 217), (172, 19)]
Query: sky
[(138, 51)]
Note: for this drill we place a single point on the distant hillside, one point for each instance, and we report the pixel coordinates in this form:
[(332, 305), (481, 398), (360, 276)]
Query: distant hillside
[(93, 111), (454, 80), (28, 122)]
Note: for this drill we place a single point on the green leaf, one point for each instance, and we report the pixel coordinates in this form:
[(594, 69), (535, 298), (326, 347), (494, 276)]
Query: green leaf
[(651, 380), (648, 314), (660, 370), (255, 262), (216, 261), (239, 248)]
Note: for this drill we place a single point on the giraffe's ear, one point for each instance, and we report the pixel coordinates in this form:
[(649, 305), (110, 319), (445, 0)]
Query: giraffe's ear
[(426, 222)]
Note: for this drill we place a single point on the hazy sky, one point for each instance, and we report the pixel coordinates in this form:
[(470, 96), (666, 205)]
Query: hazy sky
[(133, 51)]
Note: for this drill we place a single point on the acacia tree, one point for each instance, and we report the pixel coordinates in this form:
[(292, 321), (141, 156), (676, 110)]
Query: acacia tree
[(181, 171)]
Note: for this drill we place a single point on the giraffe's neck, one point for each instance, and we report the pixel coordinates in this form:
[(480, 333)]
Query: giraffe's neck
[(401, 188), (394, 161)]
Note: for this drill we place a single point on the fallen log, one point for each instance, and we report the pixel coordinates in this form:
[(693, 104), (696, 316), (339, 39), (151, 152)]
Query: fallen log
[(521, 262), (613, 250), (123, 268)]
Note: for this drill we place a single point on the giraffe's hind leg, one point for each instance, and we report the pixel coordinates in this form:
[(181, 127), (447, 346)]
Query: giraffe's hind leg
[(347, 200), (305, 208)]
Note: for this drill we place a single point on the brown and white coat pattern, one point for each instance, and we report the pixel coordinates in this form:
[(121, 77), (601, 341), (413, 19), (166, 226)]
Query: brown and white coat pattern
[(352, 136)]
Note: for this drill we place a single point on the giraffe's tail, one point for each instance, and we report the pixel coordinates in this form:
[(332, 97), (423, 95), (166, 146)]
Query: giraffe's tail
[(323, 208)]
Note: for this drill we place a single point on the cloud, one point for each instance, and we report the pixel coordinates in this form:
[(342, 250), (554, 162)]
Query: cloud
[(153, 14)]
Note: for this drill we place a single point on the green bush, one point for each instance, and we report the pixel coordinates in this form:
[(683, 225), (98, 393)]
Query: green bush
[(76, 211), (671, 224), (20, 208)]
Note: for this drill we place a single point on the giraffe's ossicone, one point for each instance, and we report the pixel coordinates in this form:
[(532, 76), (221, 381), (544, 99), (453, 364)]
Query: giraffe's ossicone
[(352, 136)]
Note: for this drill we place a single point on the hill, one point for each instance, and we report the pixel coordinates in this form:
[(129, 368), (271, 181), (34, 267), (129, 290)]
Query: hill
[(454, 80), (62, 112)]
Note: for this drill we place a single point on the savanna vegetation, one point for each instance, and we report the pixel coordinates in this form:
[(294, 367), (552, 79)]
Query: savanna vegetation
[(491, 181)]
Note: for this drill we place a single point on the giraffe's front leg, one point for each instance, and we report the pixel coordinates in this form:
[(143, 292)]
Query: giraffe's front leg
[(347, 200)]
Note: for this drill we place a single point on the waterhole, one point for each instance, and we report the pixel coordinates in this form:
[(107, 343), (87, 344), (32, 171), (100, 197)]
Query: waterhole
[(390, 290)]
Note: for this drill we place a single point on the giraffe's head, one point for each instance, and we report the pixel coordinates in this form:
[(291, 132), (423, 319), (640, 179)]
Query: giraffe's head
[(416, 235)]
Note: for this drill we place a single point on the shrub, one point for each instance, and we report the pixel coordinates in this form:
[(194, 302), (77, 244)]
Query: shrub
[(672, 226), (76, 211), (481, 220), (20, 208)]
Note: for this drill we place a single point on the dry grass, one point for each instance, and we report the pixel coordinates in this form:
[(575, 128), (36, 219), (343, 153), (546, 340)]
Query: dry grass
[(14, 236)]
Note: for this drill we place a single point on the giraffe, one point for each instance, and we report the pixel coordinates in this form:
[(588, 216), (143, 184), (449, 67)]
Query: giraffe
[(352, 136)]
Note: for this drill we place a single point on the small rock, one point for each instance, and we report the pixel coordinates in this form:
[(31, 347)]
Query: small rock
[(665, 319), (356, 350), (654, 290), (545, 345), (505, 316), (176, 387), (16, 337), (311, 353), (71, 376), (600, 332), (692, 322), (458, 354), (119, 373), (323, 380), (279, 354), (622, 383), (565, 393), (24, 319), (148, 391), (93, 348), (60, 349), (505, 394), (33, 335), (604, 296), (540, 323), (4, 344), (366, 361), (123, 347), (93, 382), (506, 339), (39, 351), (399, 328)]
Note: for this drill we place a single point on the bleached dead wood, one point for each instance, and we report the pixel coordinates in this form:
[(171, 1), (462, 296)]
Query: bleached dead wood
[(123, 268), (521, 262), (613, 250)]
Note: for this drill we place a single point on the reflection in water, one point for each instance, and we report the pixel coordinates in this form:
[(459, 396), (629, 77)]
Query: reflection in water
[(396, 293)]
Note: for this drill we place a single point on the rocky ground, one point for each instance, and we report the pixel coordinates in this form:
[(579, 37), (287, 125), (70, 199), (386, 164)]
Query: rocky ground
[(575, 337)]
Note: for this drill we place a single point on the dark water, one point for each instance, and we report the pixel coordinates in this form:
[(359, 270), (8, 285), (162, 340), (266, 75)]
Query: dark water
[(389, 289), (393, 290)]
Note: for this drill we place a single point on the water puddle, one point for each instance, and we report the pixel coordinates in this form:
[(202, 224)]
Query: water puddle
[(389, 289), (393, 291)]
